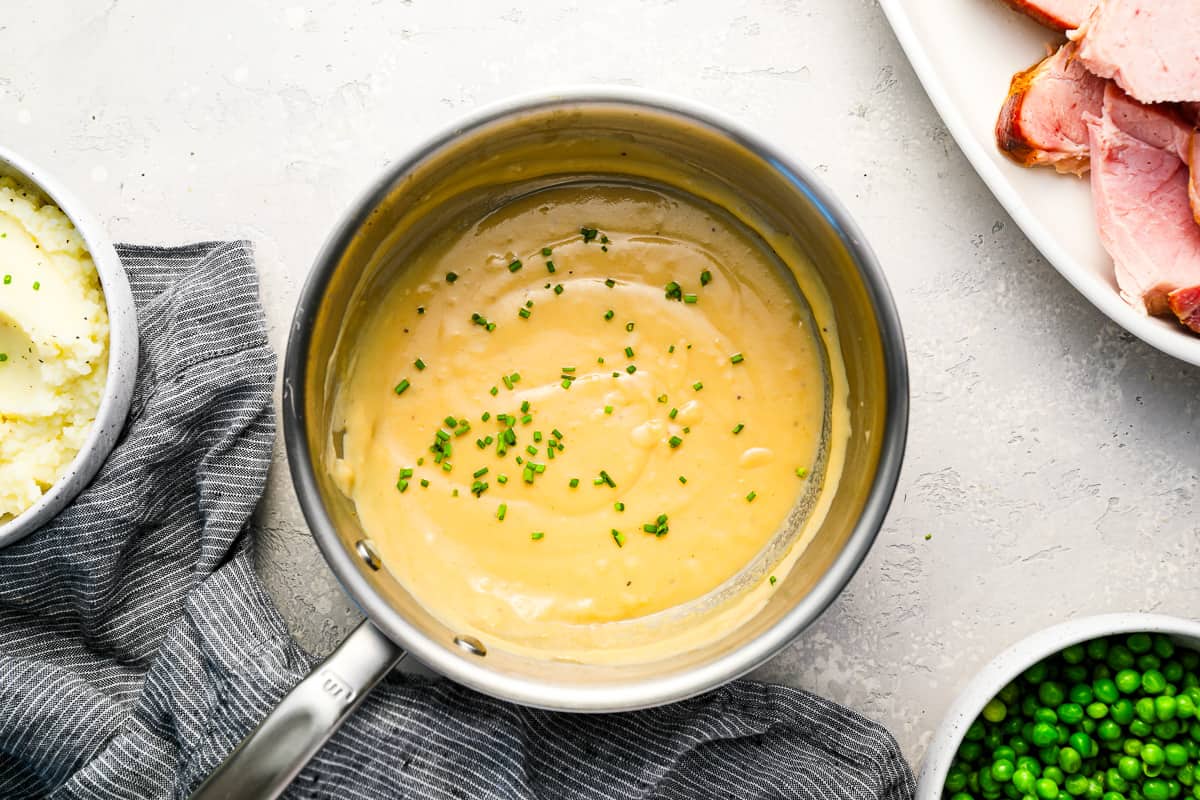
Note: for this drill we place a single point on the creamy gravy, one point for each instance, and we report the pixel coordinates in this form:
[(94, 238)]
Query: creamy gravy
[(697, 413)]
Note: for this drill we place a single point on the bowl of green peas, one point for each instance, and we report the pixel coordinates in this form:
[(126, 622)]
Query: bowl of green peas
[(1102, 708)]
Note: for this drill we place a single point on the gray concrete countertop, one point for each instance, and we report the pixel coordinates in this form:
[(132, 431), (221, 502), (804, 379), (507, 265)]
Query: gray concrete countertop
[(1053, 458)]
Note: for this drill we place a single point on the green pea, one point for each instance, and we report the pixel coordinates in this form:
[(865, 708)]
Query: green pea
[(995, 710), (1114, 780), (1128, 681), (1119, 657), (1048, 755), (1023, 780), (1070, 713), (1153, 682), (1081, 694), (1051, 693), (1095, 789), (1121, 711), (992, 740), (1030, 765), (1044, 734), (1010, 694), (1164, 708), (1153, 755), (987, 783), (1019, 745), (1155, 789), (961, 796), (1097, 649), (970, 751), (975, 731), (1148, 662), (1088, 725), (1046, 789), (1097, 710), (1076, 785), (1082, 744), (1002, 770), (1173, 671), (956, 779), (1185, 707), (1011, 726), (1139, 728), (1144, 708), (1190, 659), (1105, 689), (1002, 753), (1194, 732), (1069, 760), (1045, 715), (1108, 731), (1166, 730), (1139, 643), (1036, 673), (1106, 796), (1131, 747), (1186, 775), (1029, 705), (1129, 768), (1176, 754)]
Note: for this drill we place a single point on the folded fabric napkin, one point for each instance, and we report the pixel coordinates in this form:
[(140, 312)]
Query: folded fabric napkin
[(137, 646)]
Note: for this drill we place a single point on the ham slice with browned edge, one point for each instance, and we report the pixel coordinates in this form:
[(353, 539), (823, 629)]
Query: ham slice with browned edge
[(1186, 305), (1194, 183), (1151, 48), (1160, 126), (1041, 122), (1062, 15), (1140, 193)]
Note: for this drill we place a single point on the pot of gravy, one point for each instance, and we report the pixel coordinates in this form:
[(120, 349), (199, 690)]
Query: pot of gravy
[(593, 403)]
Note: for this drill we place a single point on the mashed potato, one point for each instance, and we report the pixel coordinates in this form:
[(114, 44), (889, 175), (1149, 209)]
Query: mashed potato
[(53, 346)]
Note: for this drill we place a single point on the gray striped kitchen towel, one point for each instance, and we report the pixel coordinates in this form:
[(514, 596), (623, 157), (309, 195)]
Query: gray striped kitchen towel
[(137, 646)]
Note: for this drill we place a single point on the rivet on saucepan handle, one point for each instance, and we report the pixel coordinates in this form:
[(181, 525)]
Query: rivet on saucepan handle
[(471, 645), (367, 552)]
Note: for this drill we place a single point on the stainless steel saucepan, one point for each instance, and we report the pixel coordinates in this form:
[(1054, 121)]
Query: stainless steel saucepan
[(497, 155)]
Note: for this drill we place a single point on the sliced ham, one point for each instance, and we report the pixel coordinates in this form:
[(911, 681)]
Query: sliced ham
[(1062, 15), (1191, 111), (1160, 126), (1140, 193), (1185, 303), (1194, 183), (1149, 47), (1041, 122)]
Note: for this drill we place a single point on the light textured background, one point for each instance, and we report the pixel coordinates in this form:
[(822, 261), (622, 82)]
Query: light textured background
[(1052, 457)]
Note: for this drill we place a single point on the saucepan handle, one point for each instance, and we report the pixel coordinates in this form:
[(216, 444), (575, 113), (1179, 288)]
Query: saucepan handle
[(273, 754)]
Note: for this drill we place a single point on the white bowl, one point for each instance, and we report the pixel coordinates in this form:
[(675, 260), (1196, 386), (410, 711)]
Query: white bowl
[(1015, 660), (122, 352)]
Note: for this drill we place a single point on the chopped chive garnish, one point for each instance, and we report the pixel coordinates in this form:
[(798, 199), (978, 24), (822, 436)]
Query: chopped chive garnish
[(550, 267), (419, 364), (608, 409), (451, 277), (675, 441), (773, 579), (537, 536), (662, 398), (420, 309), (537, 436), (424, 483), (528, 418), (573, 483), (524, 406), (600, 360), (37, 285), (737, 358), (478, 488), (527, 474), (801, 472), (738, 428), (650, 527), (604, 476), (682, 479), (750, 497), (515, 265), (524, 313), (546, 251), (690, 298), (629, 327), (501, 511), (501, 479), (608, 315), (454, 493), (558, 288), (631, 369), (609, 282), (629, 352), (533, 451), (402, 386), (479, 473), (671, 349), (3, 357), (588, 234), (618, 537), (515, 377), (619, 506), (402, 485), (567, 369), (406, 472), (447, 466), (494, 391), (705, 278), (616, 374), (604, 239), (556, 433), (673, 291), (8, 280), (442, 435), (485, 416), (566, 383), (697, 386), (451, 422), (687, 429), (674, 412), (508, 384)]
